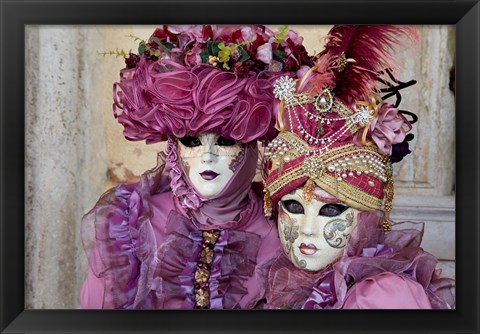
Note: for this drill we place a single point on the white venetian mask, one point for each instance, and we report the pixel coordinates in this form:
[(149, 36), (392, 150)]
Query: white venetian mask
[(314, 233), (209, 161)]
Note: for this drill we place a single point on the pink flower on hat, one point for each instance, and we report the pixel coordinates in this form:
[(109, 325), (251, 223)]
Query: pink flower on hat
[(178, 29), (388, 128), (193, 58), (264, 53), (248, 34)]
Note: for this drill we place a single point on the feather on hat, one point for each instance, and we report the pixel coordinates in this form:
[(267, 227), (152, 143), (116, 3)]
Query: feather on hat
[(353, 58)]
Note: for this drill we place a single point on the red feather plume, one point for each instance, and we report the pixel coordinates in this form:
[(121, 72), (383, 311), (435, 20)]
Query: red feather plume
[(371, 48)]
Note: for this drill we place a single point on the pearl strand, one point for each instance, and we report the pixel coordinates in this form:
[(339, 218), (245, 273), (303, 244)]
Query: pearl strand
[(317, 118), (330, 140), (348, 166), (373, 166)]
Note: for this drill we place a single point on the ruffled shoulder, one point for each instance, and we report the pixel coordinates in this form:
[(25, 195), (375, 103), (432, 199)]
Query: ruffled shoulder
[(374, 252), (387, 291), (400, 291), (398, 253), (118, 237), (370, 257), (402, 259)]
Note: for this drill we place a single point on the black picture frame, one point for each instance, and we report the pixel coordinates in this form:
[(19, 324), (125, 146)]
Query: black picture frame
[(15, 14)]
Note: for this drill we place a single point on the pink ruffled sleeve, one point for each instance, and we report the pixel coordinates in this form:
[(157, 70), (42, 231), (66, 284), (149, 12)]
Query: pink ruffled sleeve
[(93, 292), (387, 291), (118, 239)]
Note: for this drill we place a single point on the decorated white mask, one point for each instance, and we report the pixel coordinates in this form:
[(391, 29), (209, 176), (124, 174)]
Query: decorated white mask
[(314, 233), (209, 161)]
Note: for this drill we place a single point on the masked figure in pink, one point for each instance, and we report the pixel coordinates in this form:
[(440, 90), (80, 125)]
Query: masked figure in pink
[(191, 233), (329, 185)]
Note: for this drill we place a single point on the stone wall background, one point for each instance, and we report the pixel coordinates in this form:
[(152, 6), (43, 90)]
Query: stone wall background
[(75, 149)]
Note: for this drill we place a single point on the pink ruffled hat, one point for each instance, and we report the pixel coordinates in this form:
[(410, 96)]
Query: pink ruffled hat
[(191, 79)]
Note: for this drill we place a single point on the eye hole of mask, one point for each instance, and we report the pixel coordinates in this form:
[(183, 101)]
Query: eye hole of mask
[(222, 141), (293, 206), (332, 210), (190, 141)]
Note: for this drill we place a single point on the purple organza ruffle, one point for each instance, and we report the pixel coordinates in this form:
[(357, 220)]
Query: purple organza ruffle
[(171, 274), (234, 262), (369, 252), (118, 235), (141, 274), (289, 287)]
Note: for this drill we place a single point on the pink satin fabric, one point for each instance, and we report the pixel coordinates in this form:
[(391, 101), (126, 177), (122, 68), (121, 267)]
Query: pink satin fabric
[(387, 291)]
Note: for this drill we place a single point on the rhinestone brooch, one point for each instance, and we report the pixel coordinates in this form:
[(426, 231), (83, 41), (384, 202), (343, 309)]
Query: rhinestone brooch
[(284, 88)]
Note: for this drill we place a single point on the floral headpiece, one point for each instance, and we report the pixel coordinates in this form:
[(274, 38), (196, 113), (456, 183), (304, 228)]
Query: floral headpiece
[(335, 129), (231, 48), (190, 79)]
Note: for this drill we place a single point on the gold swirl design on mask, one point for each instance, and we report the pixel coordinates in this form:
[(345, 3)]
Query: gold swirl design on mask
[(335, 233)]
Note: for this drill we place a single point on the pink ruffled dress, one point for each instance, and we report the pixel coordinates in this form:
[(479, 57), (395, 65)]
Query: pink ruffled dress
[(150, 249), (377, 271)]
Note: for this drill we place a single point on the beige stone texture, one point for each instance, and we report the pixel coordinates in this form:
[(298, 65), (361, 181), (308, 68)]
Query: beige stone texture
[(75, 149), (64, 157)]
